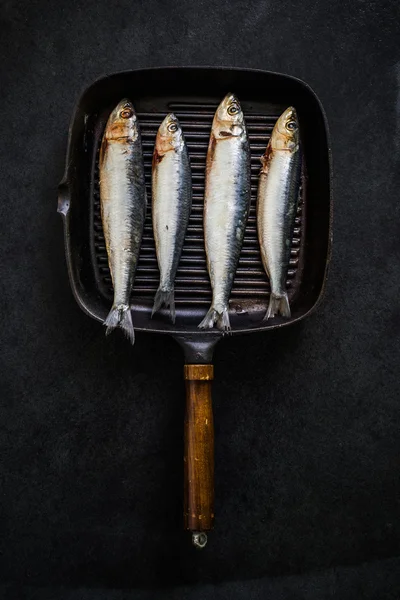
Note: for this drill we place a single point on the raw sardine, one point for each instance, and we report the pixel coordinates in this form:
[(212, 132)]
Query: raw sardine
[(278, 192), (171, 205), (123, 208), (227, 201)]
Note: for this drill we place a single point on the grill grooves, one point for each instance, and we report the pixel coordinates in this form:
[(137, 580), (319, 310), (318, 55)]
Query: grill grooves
[(192, 284)]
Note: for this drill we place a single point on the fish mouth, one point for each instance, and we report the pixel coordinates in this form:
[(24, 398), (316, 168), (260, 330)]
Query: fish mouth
[(290, 113), (230, 109), (125, 103), (169, 126), (287, 124), (125, 110), (171, 118), (229, 98)]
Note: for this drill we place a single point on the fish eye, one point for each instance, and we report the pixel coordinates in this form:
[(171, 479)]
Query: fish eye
[(233, 109), (291, 125), (126, 113), (172, 127)]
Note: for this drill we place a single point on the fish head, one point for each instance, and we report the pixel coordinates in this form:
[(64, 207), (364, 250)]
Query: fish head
[(122, 122), (285, 135), (229, 119), (169, 135)]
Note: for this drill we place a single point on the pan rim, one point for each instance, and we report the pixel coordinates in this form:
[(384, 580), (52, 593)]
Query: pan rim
[(64, 205)]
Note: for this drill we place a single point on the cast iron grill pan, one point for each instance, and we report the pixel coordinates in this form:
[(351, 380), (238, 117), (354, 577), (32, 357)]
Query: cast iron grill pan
[(193, 94)]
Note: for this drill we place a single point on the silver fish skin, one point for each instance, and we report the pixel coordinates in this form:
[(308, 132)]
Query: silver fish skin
[(277, 198), (171, 206), (227, 202), (123, 208)]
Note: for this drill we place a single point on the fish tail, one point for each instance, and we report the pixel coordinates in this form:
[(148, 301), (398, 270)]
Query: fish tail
[(214, 317), (223, 322), (278, 305), (166, 298), (209, 320), (120, 316)]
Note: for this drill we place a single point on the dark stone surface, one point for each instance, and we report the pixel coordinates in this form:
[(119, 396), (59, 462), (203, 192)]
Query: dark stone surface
[(307, 420)]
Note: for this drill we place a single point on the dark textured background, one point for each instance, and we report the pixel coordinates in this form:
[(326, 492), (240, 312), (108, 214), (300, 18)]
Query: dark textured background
[(307, 420)]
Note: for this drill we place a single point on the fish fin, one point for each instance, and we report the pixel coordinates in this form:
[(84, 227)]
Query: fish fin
[(223, 322), (278, 305), (166, 298), (214, 317), (120, 316), (210, 319)]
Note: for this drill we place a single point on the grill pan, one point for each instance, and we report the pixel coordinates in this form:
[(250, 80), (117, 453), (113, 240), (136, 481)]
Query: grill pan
[(193, 94)]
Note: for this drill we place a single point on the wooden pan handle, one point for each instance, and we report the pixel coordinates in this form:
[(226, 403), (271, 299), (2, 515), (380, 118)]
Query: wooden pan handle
[(199, 453)]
